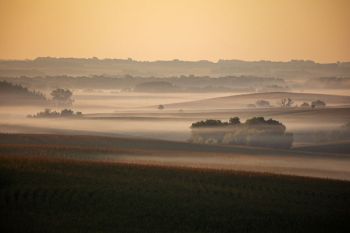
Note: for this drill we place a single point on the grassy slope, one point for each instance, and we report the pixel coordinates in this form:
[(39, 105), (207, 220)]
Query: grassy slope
[(244, 99), (63, 195)]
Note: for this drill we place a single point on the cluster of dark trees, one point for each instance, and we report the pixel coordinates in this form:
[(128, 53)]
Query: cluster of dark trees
[(255, 131), (47, 113), (284, 103), (17, 94), (288, 103), (314, 104)]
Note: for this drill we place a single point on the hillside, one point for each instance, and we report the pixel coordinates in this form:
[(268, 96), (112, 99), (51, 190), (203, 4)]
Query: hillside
[(341, 147), (12, 94), (239, 101)]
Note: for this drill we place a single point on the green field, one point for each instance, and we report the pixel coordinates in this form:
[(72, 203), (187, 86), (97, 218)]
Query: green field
[(41, 193)]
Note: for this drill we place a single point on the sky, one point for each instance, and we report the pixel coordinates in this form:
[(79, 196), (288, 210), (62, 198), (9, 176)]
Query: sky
[(278, 30)]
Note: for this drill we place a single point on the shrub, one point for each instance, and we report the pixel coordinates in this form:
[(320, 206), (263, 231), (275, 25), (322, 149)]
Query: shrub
[(262, 103), (318, 104)]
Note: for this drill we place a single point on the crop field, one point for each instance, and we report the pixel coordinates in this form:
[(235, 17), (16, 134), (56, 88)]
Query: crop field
[(41, 191)]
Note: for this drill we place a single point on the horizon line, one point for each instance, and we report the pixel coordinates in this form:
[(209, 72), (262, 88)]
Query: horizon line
[(172, 60)]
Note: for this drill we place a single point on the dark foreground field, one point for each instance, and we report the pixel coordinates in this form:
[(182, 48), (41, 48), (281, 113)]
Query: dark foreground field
[(51, 194)]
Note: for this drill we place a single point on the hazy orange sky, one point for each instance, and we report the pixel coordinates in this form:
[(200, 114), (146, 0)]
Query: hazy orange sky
[(182, 29)]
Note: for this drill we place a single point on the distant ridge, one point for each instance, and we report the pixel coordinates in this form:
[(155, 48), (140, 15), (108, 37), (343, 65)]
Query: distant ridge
[(294, 69)]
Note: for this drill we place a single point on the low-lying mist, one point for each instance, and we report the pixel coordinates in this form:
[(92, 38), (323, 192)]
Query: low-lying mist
[(138, 115)]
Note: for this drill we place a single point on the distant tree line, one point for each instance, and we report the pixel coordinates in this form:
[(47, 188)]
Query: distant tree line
[(181, 83), (288, 103), (255, 131), (290, 70)]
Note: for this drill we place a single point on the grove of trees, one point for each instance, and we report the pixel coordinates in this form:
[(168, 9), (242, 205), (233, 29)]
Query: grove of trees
[(47, 113), (17, 94), (255, 131)]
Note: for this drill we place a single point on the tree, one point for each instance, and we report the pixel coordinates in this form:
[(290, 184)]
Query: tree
[(305, 105), (318, 104), (160, 107), (286, 102), (62, 97), (67, 113), (262, 103), (234, 121), (208, 123)]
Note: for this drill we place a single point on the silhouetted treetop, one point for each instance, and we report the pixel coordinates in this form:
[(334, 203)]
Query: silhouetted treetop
[(209, 123), (234, 121)]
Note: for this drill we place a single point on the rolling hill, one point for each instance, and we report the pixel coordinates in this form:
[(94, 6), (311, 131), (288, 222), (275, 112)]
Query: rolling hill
[(239, 101)]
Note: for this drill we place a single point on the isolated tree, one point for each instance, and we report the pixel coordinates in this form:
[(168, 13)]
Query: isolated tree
[(160, 107), (318, 104), (286, 102), (262, 103), (62, 97)]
